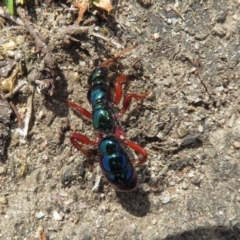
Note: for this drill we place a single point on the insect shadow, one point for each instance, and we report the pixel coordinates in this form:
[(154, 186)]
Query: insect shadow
[(136, 203), (214, 232)]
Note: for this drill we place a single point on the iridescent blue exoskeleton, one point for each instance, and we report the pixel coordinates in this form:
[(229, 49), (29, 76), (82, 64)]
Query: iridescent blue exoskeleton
[(99, 95), (116, 165)]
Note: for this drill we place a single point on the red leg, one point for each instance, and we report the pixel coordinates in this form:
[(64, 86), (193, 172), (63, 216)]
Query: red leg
[(119, 133), (118, 88), (128, 99), (138, 149), (109, 62), (80, 109), (76, 140)]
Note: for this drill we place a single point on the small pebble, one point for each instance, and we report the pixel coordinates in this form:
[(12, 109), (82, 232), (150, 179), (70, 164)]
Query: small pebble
[(22, 141), (22, 110), (3, 200), (63, 193), (220, 212), (154, 221), (82, 63), (191, 174), (171, 183), (57, 216), (235, 16), (156, 36), (236, 145), (200, 128), (196, 180), (69, 202), (166, 198), (232, 120), (184, 186), (163, 171), (196, 45), (39, 215), (3, 170), (76, 76), (219, 30)]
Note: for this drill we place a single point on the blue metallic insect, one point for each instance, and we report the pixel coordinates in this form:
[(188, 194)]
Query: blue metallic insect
[(114, 161), (116, 166)]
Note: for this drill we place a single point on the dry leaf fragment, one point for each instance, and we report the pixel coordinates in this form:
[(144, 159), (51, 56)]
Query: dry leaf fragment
[(8, 84), (83, 6), (104, 4)]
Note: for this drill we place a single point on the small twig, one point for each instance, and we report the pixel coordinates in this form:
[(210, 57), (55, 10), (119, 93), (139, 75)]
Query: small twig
[(118, 45), (177, 12), (23, 132), (166, 149), (8, 16), (204, 83), (30, 28), (73, 29), (20, 28), (20, 122), (15, 90), (50, 121), (23, 169), (48, 59)]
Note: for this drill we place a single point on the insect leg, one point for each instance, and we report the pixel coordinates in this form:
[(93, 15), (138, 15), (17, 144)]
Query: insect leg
[(79, 109), (128, 99), (118, 88), (138, 149), (77, 139), (109, 62)]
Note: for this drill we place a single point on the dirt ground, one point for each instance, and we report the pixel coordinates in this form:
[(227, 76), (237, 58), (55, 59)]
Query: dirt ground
[(188, 56)]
